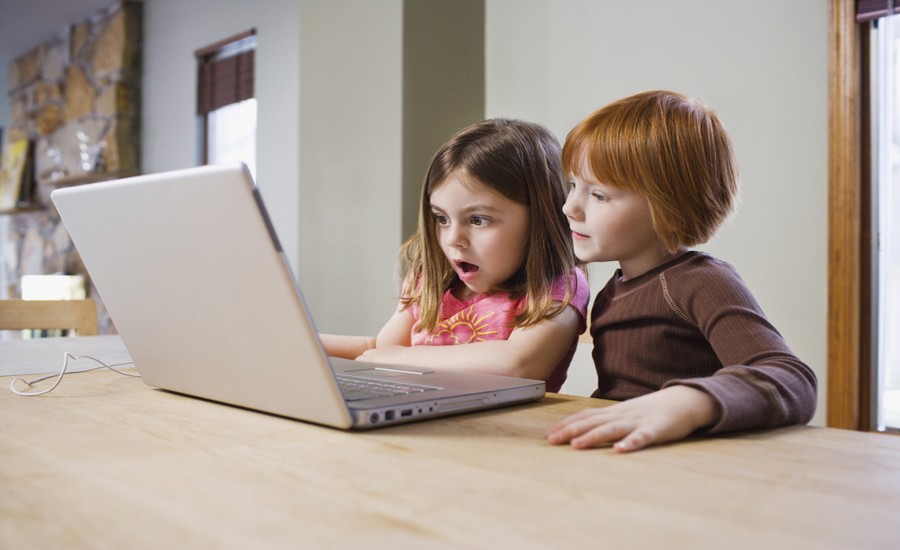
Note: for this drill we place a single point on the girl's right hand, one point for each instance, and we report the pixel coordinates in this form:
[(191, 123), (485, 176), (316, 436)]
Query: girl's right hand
[(347, 347)]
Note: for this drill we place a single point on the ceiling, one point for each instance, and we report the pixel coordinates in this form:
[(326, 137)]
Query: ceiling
[(25, 24)]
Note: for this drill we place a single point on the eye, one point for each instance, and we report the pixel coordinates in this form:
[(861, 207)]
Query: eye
[(478, 221), (569, 186), (441, 219), (599, 197)]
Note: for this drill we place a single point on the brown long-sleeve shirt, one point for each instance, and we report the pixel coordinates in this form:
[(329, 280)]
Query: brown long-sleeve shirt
[(693, 321)]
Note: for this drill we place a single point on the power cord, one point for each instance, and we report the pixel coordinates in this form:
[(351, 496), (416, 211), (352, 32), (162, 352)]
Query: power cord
[(62, 372)]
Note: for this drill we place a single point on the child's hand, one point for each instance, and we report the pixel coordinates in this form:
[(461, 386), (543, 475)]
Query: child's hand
[(383, 354), (666, 415)]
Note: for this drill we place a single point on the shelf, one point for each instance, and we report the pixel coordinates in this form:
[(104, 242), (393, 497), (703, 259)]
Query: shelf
[(21, 210), (69, 181), (79, 179)]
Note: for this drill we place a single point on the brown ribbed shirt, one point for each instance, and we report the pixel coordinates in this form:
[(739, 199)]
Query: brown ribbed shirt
[(693, 321)]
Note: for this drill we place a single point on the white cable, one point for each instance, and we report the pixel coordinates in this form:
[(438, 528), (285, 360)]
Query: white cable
[(62, 372)]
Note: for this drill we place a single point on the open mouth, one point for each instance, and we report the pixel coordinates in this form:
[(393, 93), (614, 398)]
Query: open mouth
[(465, 270), (466, 267)]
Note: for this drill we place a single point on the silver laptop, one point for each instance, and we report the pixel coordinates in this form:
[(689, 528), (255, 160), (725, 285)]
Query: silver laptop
[(193, 276)]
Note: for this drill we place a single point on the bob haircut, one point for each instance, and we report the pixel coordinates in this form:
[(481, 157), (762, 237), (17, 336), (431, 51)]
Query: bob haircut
[(668, 147), (522, 162)]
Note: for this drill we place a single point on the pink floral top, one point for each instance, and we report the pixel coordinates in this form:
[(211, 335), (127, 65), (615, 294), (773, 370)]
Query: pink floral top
[(486, 317)]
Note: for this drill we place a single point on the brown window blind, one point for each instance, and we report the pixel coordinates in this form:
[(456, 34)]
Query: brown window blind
[(868, 10), (224, 78)]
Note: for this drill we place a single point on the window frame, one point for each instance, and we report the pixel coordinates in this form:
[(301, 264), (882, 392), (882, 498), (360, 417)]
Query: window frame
[(214, 93), (851, 335)]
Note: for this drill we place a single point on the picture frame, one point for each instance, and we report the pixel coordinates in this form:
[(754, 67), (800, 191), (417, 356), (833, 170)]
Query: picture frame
[(14, 170)]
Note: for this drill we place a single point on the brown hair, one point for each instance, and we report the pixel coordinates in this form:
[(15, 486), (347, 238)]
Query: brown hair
[(668, 147), (522, 162)]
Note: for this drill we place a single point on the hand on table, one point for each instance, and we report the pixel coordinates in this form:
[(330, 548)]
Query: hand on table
[(666, 415)]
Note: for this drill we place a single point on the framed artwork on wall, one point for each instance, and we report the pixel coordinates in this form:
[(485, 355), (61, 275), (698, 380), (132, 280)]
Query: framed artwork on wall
[(13, 171)]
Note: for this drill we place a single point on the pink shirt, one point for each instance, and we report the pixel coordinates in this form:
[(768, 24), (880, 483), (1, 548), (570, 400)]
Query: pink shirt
[(488, 316)]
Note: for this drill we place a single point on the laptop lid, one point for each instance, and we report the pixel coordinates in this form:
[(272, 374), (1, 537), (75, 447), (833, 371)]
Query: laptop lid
[(192, 274)]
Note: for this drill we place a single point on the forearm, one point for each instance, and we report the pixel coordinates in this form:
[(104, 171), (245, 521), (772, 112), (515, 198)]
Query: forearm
[(532, 352), (495, 357), (762, 384), (348, 347), (779, 392)]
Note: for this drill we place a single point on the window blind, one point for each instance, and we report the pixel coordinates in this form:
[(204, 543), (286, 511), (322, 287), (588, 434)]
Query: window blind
[(868, 10), (225, 72)]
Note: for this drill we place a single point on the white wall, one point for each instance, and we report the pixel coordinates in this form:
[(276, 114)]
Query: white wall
[(762, 65), (173, 30), (351, 150)]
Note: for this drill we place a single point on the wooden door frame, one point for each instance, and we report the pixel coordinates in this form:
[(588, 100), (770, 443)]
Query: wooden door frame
[(849, 240)]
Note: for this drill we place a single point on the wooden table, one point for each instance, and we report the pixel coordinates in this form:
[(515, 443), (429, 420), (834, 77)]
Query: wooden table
[(105, 461)]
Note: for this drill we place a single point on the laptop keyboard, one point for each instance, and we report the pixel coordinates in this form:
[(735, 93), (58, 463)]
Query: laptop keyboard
[(356, 389)]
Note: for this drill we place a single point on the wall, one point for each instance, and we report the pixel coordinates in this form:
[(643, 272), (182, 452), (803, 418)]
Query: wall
[(762, 65), (173, 30), (383, 84), (443, 85), (351, 160)]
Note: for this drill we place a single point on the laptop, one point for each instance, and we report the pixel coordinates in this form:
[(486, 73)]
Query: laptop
[(191, 272)]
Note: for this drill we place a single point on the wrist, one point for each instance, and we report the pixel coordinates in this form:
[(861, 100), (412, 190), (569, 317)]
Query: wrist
[(702, 409)]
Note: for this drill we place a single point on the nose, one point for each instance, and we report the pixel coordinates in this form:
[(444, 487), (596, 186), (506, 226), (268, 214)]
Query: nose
[(455, 236), (571, 207)]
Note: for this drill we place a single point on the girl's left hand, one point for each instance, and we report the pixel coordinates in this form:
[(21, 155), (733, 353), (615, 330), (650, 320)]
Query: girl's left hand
[(665, 415)]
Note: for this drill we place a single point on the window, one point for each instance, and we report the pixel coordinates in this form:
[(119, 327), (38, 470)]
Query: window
[(863, 287), (886, 206), (226, 105)]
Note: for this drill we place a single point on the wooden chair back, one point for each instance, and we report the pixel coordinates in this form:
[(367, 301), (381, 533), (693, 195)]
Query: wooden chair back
[(80, 315)]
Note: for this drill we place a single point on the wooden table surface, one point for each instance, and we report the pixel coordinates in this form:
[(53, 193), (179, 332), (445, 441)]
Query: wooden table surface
[(106, 461)]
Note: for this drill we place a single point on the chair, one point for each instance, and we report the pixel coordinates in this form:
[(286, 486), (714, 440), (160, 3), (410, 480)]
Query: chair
[(80, 315)]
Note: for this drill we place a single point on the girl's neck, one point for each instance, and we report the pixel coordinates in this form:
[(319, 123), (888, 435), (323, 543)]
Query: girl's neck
[(462, 293)]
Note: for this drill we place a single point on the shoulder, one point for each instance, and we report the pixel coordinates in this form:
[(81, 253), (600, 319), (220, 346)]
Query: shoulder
[(705, 282), (698, 270), (574, 290), (582, 289), (574, 285)]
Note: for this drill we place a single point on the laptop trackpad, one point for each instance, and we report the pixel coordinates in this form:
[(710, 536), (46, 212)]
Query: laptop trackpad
[(389, 371)]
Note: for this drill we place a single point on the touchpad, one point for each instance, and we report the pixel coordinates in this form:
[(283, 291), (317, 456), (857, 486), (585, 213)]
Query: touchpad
[(389, 371)]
